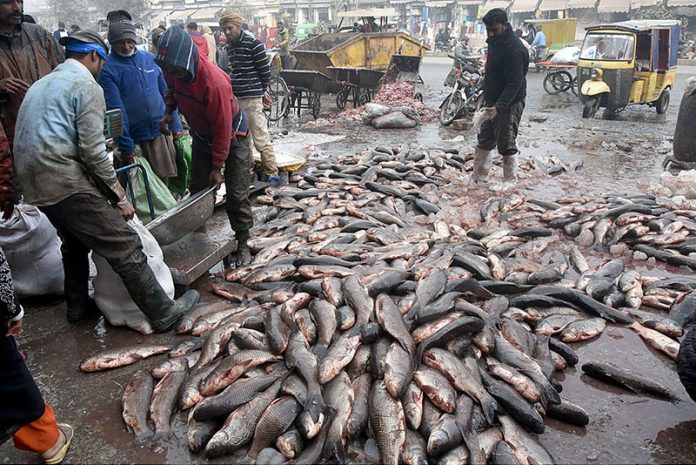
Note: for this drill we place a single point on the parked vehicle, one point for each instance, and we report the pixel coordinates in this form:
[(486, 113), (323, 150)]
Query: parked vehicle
[(628, 63), (467, 93)]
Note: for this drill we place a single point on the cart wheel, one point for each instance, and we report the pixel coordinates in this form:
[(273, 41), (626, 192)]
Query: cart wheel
[(591, 106), (663, 102), (280, 94), (418, 96), (316, 105), (559, 81), (342, 98), (574, 86), (364, 97)]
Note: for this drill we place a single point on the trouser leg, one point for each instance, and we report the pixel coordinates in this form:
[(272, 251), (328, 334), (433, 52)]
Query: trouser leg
[(237, 181), (98, 227), (23, 413), (201, 164), (258, 127), (76, 271)]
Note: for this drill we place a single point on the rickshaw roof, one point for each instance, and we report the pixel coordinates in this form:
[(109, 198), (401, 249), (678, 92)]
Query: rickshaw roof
[(368, 12), (637, 25), (548, 21)]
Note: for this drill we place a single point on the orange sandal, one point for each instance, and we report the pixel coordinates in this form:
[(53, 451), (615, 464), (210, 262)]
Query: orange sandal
[(68, 432)]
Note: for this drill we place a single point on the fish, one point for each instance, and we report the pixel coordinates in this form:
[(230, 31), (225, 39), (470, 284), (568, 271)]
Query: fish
[(290, 443), (657, 340), (339, 397), (240, 425), (527, 450), (582, 330), (190, 394), (324, 315), (276, 419), (299, 356), (125, 356), (135, 401), (390, 320), (568, 412), (414, 452), (398, 370), (437, 388), (232, 368), (164, 400), (627, 379), (388, 423), (359, 416), (358, 298)]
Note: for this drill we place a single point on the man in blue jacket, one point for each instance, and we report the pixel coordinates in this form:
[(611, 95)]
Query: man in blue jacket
[(133, 83)]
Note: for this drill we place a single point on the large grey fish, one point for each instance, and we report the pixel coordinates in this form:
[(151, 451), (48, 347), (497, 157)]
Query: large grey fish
[(627, 379), (457, 328), (277, 332), (398, 370), (582, 330), (659, 323), (186, 347), (358, 298), (504, 455), (234, 395), (445, 436), (415, 452), (188, 319), (239, 427), (215, 342), (461, 378), (232, 368), (388, 423), (339, 397), (290, 443), (412, 402), (164, 401), (427, 289), (136, 400), (324, 315), (305, 323), (339, 355), (527, 450), (121, 357), (359, 416), (554, 324), (568, 412), (522, 384), (174, 364), (298, 356), (390, 320), (200, 432), (437, 388), (277, 418), (190, 393)]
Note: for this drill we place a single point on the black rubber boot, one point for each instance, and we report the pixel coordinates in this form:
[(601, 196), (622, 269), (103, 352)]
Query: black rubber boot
[(173, 314), (243, 250)]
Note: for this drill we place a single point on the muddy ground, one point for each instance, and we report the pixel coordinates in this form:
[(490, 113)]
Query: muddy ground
[(619, 156)]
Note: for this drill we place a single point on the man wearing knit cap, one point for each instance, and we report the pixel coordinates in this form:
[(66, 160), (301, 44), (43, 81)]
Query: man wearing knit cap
[(203, 94), (250, 71), (134, 84), (62, 167)]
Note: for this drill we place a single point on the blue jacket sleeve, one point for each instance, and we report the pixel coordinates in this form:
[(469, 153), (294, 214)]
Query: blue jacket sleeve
[(112, 96), (163, 90)]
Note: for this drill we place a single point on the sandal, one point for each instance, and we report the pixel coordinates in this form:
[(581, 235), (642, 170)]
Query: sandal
[(68, 432)]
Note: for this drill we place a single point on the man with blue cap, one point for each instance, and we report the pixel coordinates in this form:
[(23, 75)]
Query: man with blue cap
[(62, 167)]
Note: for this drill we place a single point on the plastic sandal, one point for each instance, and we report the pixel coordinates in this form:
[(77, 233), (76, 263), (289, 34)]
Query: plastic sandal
[(69, 432)]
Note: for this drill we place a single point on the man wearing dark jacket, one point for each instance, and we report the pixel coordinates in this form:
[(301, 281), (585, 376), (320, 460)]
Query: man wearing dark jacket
[(250, 72), (203, 94), (133, 83), (504, 89)]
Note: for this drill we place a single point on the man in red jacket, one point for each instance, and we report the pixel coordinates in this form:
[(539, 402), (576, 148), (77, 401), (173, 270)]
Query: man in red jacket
[(202, 92)]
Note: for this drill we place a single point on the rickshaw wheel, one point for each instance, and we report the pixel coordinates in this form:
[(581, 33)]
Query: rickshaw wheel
[(342, 99), (662, 102), (591, 106)]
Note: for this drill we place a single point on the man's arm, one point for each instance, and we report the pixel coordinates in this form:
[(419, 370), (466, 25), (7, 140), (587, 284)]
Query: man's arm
[(261, 62), (514, 79), (220, 113), (112, 96), (162, 85), (89, 122)]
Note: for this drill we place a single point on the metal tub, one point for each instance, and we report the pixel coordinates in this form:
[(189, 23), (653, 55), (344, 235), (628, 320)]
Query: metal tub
[(188, 216)]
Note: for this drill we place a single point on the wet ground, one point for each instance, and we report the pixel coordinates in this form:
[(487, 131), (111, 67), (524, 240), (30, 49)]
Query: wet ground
[(619, 155)]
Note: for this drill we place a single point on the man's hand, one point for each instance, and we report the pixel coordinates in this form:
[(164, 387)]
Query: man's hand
[(125, 209), (215, 178), (7, 209), (12, 85), (178, 135), (492, 112), (14, 328), (267, 100), (166, 123)]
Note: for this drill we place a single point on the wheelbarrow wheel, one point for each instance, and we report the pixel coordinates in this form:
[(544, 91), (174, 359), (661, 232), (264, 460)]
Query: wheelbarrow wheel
[(364, 97), (342, 98), (316, 105)]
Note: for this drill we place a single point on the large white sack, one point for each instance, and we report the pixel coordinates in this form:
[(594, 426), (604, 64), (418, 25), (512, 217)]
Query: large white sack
[(568, 55), (111, 294), (32, 248)]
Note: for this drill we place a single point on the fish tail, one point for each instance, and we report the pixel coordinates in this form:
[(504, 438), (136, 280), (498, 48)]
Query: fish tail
[(549, 395), (315, 405), (489, 406)]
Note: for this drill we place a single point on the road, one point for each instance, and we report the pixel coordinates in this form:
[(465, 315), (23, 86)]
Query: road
[(619, 155)]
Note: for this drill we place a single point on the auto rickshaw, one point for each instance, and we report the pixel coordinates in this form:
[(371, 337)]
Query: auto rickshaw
[(628, 63)]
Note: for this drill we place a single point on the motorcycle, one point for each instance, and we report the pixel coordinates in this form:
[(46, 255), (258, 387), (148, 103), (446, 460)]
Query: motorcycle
[(466, 96)]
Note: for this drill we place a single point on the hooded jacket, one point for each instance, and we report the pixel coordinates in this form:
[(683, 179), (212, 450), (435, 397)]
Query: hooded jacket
[(206, 99), (505, 82), (136, 86)]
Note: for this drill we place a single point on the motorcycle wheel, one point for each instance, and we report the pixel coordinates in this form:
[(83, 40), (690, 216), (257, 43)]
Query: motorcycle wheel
[(591, 106), (450, 108)]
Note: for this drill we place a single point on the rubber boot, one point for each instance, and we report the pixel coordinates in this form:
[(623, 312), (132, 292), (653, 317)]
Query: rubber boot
[(510, 169), (243, 250), (163, 312), (482, 164)]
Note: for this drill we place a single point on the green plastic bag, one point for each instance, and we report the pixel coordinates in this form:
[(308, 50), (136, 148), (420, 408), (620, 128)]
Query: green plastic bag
[(162, 199), (180, 184)]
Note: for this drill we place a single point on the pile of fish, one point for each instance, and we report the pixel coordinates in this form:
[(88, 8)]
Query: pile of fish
[(369, 330)]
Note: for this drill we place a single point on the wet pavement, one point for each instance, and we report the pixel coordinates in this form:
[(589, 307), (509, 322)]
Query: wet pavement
[(619, 155)]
